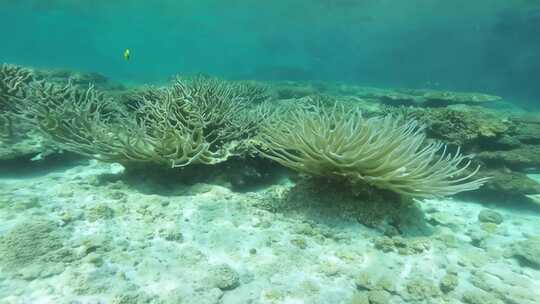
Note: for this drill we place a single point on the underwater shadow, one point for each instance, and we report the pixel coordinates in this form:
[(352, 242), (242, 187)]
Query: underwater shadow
[(239, 175), (336, 203), (25, 167)]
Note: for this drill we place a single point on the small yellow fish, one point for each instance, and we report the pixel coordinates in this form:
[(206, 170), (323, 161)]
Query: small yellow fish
[(126, 54)]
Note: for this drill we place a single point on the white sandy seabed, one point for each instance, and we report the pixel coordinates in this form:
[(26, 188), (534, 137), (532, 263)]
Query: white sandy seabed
[(67, 238)]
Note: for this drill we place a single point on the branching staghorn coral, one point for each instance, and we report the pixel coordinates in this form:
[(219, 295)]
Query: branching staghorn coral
[(218, 104), (206, 117), (387, 152), (6, 128), (220, 113), (76, 120), (186, 123), (13, 87), (248, 91), (13, 79), (176, 129)]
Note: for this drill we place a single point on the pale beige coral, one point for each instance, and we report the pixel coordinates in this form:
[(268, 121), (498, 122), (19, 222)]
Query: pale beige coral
[(13, 81), (197, 121), (387, 152)]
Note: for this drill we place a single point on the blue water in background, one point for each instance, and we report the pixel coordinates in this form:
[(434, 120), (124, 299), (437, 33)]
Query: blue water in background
[(490, 46)]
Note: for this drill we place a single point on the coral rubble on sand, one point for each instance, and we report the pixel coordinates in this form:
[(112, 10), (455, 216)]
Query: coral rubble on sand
[(81, 234)]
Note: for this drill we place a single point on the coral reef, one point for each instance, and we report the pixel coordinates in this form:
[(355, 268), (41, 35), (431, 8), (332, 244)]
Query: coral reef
[(393, 97), (202, 120), (13, 82), (469, 127), (20, 137), (387, 152), (75, 119), (30, 147), (506, 145), (80, 79), (197, 121), (435, 98), (518, 159), (335, 231)]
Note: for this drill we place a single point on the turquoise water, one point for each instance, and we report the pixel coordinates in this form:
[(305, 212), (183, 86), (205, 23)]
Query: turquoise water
[(487, 46), (269, 152)]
